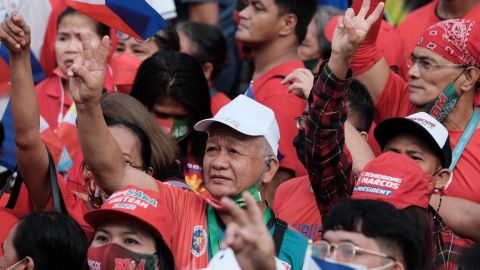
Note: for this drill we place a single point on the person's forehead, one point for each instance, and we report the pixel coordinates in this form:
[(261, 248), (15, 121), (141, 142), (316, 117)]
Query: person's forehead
[(421, 52), (338, 236), (411, 142)]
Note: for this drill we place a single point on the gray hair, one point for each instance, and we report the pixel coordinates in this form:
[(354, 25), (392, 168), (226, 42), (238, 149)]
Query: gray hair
[(323, 15)]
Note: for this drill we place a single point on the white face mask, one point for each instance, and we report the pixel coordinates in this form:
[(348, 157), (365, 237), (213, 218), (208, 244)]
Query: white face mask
[(362, 267), (15, 264)]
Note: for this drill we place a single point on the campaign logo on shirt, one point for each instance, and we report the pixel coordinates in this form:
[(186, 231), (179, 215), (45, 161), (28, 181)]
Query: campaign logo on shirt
[(199, 241)]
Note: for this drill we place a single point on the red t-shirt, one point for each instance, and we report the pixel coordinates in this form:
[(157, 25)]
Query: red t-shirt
[(268, 90), (190, 247), (394, 102), (218, 101), (295, 204)]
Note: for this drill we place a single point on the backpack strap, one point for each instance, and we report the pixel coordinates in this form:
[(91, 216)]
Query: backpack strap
[(280, 229)]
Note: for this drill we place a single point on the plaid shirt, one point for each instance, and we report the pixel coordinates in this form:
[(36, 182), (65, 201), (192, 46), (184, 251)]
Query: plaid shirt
[(448, 245), (330, 167)]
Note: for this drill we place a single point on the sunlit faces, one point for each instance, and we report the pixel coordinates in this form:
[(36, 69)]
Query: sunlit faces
[(126, 232), (10, 256), (140, 49), (309, 48), (68, 44), (425, 87), (259, 22), (232, 161), (359, 240), (415, 148), (129, 144)]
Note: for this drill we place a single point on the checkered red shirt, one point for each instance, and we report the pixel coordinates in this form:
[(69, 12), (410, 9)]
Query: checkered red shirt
[(330, 167)]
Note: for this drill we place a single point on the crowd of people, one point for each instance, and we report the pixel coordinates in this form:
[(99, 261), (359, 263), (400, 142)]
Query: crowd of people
[(263, 134)]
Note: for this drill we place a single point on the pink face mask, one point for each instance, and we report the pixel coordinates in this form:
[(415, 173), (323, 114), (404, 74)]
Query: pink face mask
[(125, 67), (116, 257)]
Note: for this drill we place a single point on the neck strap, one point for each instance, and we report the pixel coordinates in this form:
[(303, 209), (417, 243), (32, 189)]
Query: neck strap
[(464, 139)]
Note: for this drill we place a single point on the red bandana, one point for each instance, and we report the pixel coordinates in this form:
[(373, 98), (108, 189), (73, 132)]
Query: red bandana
[(455, 40)]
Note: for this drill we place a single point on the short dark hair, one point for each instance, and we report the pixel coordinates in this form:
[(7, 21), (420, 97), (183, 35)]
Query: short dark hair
[(208, 44), (164, 254), (53, 240), (102, 29), (167, 39), (361, 106), (381, 221), (303, 9)]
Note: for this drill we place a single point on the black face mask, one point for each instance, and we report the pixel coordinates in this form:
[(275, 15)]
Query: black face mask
[(299, 143)]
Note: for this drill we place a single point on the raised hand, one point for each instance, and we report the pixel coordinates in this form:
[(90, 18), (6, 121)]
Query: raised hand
[(88, 72), (351, 30), (248, 236), (301, 80), (15, 33)]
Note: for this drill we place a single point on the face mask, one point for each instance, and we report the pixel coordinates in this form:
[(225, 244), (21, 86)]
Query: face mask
[(299, 143), (178, 128), (327, 264), (116, 257), (445, 103), (125, 67)]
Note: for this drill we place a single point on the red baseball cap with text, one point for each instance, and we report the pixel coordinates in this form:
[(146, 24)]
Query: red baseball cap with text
[(143, 205), (394, 178)]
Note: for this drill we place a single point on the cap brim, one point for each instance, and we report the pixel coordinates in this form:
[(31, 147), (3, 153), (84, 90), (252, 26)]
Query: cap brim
[(98, 216), (388, 129), (204, 126)]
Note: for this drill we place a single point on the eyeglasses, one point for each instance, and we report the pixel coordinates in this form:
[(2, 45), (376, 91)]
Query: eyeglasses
[(344, 251), (301, 121), (425, 64)]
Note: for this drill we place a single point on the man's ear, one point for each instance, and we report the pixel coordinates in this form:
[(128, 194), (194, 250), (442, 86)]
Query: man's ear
[(398, 266), (289, 24), (208, 70), (28, 263), (364, 135), (441, 178), (271, 170), (470, 78)]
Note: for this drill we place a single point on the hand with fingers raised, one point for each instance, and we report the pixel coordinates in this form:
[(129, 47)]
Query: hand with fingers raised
[(15, 34), (352, 29), (248, 236), (88, 72), (301, 82)]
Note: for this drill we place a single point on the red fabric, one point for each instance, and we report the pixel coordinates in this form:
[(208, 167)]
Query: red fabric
[(394, 102), (9, 218), (4, 78), (218, 101), (268, 90), (373, 33), (455, 40), (419, 20), (394, 178), (190, 248), (372, 142), (124, 67), (295, 204), (144, 205)]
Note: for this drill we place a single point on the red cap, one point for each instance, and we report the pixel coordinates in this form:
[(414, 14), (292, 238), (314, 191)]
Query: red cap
[(456, 40), (394, 178), (143, 205)]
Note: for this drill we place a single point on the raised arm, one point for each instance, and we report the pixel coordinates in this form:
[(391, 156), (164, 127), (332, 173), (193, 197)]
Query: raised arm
[(32, 158), (100, 150), (463, 216), (329, 168)]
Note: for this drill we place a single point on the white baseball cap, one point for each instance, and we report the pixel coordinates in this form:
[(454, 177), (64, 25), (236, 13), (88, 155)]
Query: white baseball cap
[(248, 117), (421, 124)]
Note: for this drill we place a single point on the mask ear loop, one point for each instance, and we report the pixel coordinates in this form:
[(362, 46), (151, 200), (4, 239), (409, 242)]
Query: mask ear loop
[(267, 163)]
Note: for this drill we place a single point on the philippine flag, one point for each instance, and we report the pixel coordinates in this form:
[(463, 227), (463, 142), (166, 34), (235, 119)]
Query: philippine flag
[(139, 18)]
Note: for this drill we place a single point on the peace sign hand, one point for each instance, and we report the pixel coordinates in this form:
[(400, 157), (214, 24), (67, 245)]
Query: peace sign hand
[(88, 72), (351, 30)]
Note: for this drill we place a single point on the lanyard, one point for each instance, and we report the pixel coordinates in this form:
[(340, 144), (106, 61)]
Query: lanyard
[(464, 139), (214, 230)]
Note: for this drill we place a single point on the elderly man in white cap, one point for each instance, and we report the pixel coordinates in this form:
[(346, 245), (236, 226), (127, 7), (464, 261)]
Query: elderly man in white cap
[(240, 156)]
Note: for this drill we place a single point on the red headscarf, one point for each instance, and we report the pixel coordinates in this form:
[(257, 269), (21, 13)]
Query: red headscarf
[(456, 40)]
